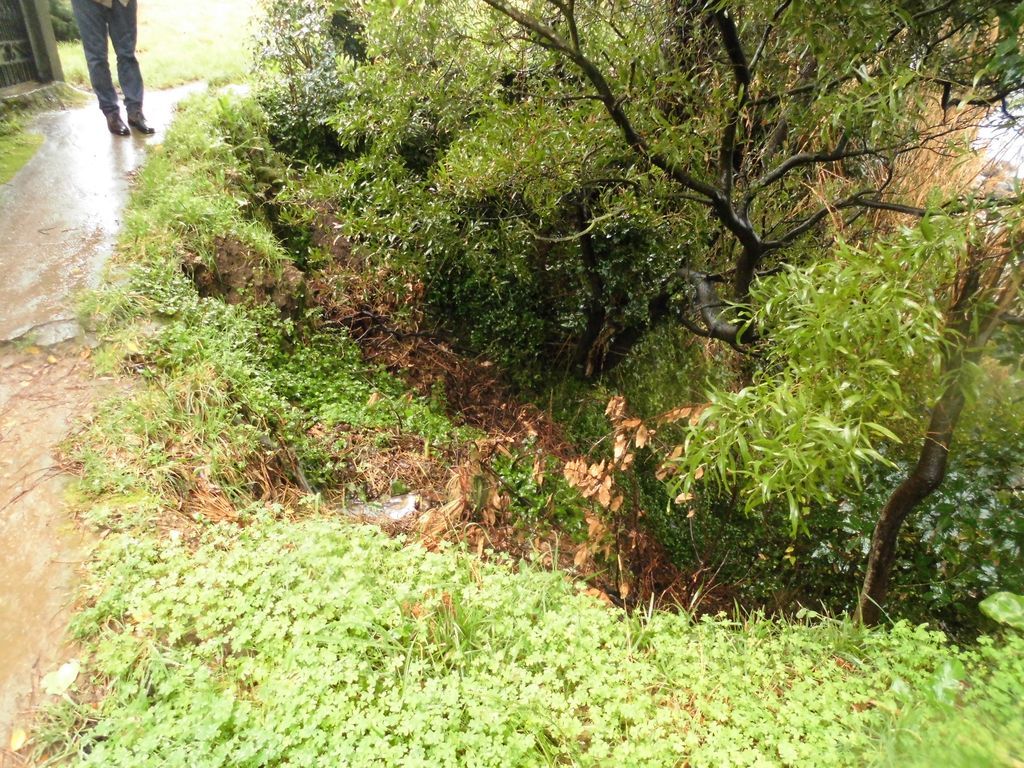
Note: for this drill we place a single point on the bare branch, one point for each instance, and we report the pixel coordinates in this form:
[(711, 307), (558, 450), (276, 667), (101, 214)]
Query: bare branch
[(882, 205), (803, 159), (767, 34), (742, 77), (733, 48)]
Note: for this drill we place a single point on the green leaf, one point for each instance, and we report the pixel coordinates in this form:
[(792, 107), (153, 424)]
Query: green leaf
[(874, 427), (948, 681), (1006, 608)]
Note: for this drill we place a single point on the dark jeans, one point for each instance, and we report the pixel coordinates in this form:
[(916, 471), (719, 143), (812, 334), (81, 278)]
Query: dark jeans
[(96, 24)]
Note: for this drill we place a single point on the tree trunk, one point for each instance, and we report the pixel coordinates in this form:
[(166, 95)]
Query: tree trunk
[(597, 315), (930, 469), (926, 476)]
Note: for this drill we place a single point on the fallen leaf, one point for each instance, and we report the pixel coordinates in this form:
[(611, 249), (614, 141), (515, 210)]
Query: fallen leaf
[(620, 446), (573, 471), (616, 407), (641, 436), (581, 557), (676, 414), (57, 683), (682, 498), (538, 471), (18, 739), (698, 473)]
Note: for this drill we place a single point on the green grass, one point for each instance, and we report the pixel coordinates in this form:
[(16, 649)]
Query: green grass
[(299, 639), (182, 41), (17, 146)]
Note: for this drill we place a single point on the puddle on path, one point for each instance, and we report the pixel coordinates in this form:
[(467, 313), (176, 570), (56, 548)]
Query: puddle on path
[(59, 216)]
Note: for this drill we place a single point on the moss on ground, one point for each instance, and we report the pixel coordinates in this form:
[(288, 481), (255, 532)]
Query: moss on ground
[(16, 148)]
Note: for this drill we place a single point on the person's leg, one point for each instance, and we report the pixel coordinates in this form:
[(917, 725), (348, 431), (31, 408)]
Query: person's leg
[(92, 19), (123, 33)]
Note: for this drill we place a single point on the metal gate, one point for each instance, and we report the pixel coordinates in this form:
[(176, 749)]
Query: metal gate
[(17, 62)]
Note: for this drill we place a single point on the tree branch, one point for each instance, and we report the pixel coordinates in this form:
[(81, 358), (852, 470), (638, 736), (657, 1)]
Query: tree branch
[(612, 103), (741, 92), (767, 34), (709, 306), (803, 159), (733, 48)]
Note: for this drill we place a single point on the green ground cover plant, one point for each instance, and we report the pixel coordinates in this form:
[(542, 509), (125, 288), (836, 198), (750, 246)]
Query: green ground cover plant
[(321, 642), (17, 146)]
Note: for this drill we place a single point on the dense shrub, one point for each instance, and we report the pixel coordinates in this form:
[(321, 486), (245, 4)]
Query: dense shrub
[(297, 65), (63, 20), (490, 171)]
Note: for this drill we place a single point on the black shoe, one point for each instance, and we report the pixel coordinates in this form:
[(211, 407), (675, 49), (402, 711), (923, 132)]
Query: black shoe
[(116, 125), (138, 122)]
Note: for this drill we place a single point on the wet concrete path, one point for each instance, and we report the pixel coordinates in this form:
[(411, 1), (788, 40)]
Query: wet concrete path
[(59, 216), (42, 391), (59, 219)]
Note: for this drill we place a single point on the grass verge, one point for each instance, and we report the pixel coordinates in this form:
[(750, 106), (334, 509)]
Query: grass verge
[(17, 146), (231, 619)]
